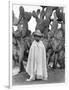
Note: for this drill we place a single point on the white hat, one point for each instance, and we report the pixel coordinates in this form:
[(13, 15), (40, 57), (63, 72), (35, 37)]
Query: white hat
[(38, 33)]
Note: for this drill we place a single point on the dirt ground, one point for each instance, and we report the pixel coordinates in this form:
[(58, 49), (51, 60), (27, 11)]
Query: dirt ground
[(54, 76)]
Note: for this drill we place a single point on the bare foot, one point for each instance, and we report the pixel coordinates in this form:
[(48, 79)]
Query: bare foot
[(30, 79)]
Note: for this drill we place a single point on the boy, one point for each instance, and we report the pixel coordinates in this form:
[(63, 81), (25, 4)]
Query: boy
[(36, 65)]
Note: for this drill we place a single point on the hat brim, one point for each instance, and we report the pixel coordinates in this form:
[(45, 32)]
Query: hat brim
[(36, 34)]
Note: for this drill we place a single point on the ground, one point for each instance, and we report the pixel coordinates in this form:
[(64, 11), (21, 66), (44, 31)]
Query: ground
[(54, 76)]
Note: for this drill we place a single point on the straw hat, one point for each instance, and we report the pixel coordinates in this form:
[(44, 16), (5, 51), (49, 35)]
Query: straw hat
[(38, 33)]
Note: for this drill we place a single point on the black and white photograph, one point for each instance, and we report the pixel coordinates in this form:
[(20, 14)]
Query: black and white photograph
[(38, 44), (34, 36)]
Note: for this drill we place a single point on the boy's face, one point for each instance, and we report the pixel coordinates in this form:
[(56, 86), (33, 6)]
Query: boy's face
[(37, 38)]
